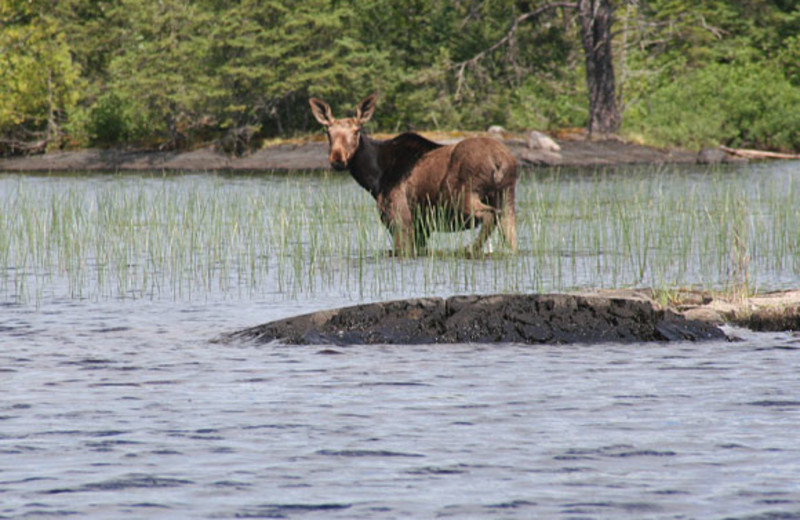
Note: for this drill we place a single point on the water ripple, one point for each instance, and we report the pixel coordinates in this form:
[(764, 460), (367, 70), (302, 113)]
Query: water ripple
[(124, 483), (132, 422)]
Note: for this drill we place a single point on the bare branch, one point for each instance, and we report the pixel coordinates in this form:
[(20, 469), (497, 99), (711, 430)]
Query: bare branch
[(717, 32), (14, 146), (462, 66), (473, 14)]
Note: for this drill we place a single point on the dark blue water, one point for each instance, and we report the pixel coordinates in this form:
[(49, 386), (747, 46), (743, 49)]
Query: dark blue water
[(132, 410)]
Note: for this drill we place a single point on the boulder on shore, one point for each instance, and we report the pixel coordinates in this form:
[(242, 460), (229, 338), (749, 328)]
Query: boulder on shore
[(539, 141), (518, 318)]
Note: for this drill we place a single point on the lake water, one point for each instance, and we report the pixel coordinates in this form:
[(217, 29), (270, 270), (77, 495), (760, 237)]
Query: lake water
[(116, 400)]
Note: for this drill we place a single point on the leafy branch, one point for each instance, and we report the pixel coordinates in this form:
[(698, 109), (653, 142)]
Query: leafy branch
[(462, 66)]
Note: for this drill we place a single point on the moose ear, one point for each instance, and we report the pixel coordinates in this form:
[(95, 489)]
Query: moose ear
[(321, 110), (366, 108)]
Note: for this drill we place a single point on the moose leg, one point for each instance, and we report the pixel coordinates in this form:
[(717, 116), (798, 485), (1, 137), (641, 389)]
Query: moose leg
[(397, 216), (508, 218), (483, 213), (403, 237)]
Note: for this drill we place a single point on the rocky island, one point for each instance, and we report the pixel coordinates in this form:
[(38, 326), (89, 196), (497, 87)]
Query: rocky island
[(606, 316)]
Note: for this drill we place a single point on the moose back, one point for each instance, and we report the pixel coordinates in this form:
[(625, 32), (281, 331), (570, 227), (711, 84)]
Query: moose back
[(422, 186)]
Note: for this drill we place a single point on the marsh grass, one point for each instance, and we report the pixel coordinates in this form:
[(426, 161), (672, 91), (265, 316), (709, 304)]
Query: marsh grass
[(280, 236)]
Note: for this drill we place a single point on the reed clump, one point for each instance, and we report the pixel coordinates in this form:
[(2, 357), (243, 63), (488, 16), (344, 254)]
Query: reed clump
[(187, 237)]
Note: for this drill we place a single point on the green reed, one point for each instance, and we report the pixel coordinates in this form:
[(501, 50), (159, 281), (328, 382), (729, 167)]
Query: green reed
[(284, 236)]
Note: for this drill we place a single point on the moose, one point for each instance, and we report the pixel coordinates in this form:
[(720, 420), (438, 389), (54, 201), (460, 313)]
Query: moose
[(421, 186)]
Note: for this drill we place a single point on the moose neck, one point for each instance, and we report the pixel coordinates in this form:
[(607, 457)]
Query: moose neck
[(379, 166), (365, 165)]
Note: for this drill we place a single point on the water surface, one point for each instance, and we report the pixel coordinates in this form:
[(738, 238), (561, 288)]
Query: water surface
[(117, 402), (134, 413)]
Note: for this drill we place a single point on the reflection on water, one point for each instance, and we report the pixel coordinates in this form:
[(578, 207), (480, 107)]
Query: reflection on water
[(117, 402)]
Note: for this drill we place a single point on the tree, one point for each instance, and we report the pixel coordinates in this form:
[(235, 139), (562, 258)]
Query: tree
[(40, 84), (162, 71), (596, 18), (269, 56), (715, 72), (172, 72)]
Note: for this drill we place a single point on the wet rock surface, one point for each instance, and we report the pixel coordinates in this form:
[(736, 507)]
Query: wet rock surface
[(768, 312), (530, 319)]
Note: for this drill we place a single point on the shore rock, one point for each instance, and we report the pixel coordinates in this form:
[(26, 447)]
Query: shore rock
[(711, 156), (313, 155), (528, 319), (496, 131), (540, 158), (285, 157), (769, 312), (539, 141)]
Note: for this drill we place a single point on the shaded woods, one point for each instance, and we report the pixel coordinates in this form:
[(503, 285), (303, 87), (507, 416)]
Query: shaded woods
[(175, 73)]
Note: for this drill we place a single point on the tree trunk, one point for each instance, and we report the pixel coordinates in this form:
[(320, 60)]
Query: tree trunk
[(52, 130), (595, 18)]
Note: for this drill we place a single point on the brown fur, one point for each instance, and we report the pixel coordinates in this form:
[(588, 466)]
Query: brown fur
[(471, 183)]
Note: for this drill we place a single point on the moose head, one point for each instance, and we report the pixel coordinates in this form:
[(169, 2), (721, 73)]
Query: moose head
[(343, 134)]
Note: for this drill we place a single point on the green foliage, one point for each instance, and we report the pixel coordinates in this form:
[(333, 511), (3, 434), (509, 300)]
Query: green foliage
[(738, 105), (789, 59), (107, 122), (539, 103), (40, 84), (716, 72), (163, 66), (177, 72), (113, 119), (270, 56)]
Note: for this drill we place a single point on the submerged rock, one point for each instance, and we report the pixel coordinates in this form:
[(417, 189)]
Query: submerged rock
[(530, 319)]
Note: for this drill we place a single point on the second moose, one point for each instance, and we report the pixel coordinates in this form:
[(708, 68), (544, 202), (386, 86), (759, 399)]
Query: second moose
[(421, 185)]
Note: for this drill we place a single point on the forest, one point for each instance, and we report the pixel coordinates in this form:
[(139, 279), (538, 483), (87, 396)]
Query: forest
[(179, 73)]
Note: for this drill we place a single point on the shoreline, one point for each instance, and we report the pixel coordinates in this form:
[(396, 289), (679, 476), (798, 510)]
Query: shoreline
[(312, 155)]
